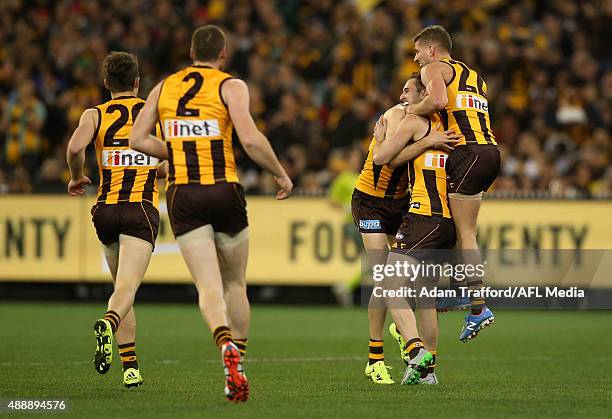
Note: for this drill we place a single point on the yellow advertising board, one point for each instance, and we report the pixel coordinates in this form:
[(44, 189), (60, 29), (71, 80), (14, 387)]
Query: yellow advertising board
[(300, 241)]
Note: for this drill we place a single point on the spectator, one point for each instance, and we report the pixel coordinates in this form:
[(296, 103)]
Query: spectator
[(320, 73)]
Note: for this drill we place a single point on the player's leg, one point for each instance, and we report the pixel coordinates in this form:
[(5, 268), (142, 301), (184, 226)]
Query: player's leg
[(376, 247), (198, 250), (420, 238), (416, 356), (460, 301), (200, 254), (134, 256), (193, 211), (126, 333), (233, 253), (429, 331), (471, 170), (465, 210)]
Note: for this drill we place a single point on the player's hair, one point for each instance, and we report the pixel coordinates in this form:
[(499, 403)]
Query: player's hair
[(416, 76), (207, 42), (435, 34), (120, 71)]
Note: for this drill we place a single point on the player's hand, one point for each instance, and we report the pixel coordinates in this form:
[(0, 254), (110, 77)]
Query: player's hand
[(443, 141), (77, 186), (380, 129), (162, 169), (285, 187)]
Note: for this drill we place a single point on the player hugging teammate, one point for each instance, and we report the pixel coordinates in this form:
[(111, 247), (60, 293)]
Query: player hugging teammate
[(445, 96)]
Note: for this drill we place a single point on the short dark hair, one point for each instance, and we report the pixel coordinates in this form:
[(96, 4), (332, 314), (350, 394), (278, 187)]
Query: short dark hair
[(120, 71), (416, 76), (435, 34), (207, 42)]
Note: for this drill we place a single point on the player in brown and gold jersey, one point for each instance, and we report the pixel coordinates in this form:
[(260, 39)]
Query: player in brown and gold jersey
[(459, 94), (380, 200), (198, 107), (426, 227), (125, 214)]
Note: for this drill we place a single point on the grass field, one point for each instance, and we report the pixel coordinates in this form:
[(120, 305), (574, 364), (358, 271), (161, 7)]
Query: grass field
[(308, 362)]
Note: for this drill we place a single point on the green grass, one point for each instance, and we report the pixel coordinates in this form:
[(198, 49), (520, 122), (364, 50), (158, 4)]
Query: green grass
[(308, 362)]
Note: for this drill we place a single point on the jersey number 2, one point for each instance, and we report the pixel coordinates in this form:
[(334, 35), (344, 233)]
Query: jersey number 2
[(182, 109)]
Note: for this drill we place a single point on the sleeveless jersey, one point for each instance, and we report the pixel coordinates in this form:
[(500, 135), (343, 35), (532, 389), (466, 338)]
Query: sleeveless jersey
[(197, 127), (427, 176), (126, 175), (382, 181), (467, 111)]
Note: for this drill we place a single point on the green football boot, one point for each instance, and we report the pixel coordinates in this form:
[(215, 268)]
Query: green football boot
[(132, 378), (400, 340), (378, 373), (104, 346)]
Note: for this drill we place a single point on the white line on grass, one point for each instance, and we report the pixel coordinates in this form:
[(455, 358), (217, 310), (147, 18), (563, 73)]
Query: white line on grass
[(307, 359)]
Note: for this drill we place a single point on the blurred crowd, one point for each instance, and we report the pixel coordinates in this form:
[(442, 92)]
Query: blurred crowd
[(320, 73)]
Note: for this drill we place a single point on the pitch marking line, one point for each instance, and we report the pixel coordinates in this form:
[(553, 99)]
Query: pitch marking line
[(301, 359)]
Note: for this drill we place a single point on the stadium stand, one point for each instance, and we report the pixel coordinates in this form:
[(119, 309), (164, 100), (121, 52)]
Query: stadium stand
[(320, 74)]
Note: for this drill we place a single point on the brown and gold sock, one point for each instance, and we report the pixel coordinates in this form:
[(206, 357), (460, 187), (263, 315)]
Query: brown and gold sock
[(242, 345), (432, 367), (221, 335), (127, 353), (413, 346), (376, 351), (113, 318)]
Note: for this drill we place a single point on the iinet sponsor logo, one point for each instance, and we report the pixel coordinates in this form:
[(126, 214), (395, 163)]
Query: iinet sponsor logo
[(181, 128), (472, 102), (435, 160), (123, 158)]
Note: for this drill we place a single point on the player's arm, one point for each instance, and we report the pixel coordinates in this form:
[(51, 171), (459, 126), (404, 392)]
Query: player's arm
[(162, 170), (75, 153), (235, 93), (140, 137), (387, 148), (436, 97), (436, 140)]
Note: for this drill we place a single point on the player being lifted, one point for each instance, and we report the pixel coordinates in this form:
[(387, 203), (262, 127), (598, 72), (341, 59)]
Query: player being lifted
[(425, 228), (125, 214), (459, 94), (198, 108), (380, 200)]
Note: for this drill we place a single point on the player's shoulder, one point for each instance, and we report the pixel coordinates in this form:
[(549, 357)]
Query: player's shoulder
[(91, 112), (234, 86), (90, 116), (398, 110), (435, 67)]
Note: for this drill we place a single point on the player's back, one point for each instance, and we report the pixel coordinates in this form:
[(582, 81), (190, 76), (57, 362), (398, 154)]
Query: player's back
[(382, 181), (427, 176), (126, 175), (197, 127), (467, 111)]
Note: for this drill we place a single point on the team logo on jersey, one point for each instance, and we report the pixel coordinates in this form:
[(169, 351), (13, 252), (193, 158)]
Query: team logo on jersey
[(181, 128), (472, 102), (124, 158), (435, 160), (415, 205), (369, 224)]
